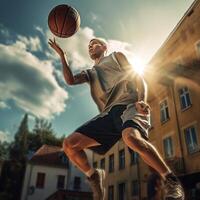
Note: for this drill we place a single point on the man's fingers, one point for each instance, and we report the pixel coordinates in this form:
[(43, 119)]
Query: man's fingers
[(50, 44), (51, 40), (143, 107)]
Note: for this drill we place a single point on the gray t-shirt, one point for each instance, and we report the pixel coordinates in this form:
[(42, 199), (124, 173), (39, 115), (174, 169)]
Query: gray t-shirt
[(111, 84)]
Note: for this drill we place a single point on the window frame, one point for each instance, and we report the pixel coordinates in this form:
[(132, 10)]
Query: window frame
[(135, 160), (122, 159), (165, 113), (124, 194), (111, 188), (172, 147), (74, 183), (185, 98), (40, 180), (190, 152), (103, 162), (60, 182), (111, 169), (133, 187)]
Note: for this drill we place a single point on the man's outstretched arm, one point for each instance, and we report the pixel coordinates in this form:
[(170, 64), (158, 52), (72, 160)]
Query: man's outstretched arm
[(68, 75)]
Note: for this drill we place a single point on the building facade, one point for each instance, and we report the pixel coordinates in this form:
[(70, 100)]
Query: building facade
[(174, 95)]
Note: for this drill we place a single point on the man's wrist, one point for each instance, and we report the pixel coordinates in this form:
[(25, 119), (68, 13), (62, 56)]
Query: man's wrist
[(62, 55)]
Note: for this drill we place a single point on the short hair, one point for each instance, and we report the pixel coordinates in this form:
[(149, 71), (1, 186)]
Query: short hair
[(100, 40)]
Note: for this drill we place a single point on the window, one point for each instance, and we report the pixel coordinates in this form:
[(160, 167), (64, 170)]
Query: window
[(121, 194), (184, 98), (77, 183), (164, 112), (134, 188), (102, 163), (60, 182), (111, 163), (134, 157), (191, 139), (168, 147), (121, 159), (40, 180), (111, 192), (95, 164)]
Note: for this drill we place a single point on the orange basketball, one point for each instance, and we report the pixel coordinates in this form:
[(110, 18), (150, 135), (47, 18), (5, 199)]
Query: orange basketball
[(64, 21)]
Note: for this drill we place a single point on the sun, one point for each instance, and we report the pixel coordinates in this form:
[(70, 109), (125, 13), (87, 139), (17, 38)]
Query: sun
[(138, 64)]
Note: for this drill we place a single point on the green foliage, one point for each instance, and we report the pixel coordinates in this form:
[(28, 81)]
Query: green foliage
[(4, 150), (42, 134)]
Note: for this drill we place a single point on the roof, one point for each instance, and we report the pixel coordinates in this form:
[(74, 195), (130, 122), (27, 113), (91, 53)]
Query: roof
[(50, 156)]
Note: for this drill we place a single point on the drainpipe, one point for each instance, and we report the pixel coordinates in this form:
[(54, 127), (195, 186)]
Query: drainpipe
[(178, 125)]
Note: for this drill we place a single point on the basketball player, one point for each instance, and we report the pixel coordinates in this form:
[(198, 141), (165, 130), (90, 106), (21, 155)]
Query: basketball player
[(120, 95)]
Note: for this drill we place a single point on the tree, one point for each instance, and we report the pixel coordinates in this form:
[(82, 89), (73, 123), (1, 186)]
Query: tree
[(4, 148), (42, 134), (19, 148)]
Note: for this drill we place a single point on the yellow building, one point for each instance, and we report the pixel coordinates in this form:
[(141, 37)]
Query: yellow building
[(173, 77)]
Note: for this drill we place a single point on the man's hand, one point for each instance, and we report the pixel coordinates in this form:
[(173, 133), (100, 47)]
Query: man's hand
[(142, 107), (56, 47)]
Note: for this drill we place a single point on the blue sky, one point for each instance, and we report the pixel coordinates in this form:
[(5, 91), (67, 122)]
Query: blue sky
[(30, 72)]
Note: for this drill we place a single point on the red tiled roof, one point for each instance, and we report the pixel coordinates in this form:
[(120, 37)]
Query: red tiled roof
[(49, 156)]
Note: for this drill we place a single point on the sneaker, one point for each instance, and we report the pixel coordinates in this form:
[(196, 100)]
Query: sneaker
[(96, 182), (173, 188)]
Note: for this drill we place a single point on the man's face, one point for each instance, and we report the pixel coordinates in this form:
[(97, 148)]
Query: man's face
[(96, 49)]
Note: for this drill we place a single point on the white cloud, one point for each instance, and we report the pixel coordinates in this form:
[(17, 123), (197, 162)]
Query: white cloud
[(3, 105), (29, 81), (31, 43)]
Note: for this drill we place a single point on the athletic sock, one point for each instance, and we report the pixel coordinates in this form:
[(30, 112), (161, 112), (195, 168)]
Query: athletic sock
[(90, 172)]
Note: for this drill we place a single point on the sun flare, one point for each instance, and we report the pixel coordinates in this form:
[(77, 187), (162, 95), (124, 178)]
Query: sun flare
[(138, 64)]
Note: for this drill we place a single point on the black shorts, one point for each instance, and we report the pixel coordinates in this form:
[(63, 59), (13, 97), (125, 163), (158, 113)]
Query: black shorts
[(107, 130)]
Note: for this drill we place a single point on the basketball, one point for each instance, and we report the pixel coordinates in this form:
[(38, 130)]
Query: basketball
[(64, 21)]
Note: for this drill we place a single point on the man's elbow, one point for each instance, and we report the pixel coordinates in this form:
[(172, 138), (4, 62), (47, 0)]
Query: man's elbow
[(70, 81)]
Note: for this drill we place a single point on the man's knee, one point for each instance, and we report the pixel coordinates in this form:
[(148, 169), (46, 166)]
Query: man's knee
[(133, 138), (71, 144), (130, 135)]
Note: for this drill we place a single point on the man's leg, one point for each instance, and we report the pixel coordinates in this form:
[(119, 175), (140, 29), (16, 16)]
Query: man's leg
[(150, 155), (74, 146), (147, 151)]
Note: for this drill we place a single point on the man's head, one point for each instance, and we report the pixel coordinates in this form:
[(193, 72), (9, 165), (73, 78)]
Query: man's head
[(97, 47)]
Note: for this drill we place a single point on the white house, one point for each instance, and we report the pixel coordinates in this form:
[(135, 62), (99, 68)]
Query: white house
[(49, 173), (46, 172)]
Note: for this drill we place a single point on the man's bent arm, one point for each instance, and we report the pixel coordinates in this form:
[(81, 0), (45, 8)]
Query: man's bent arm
[(68, 75)]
